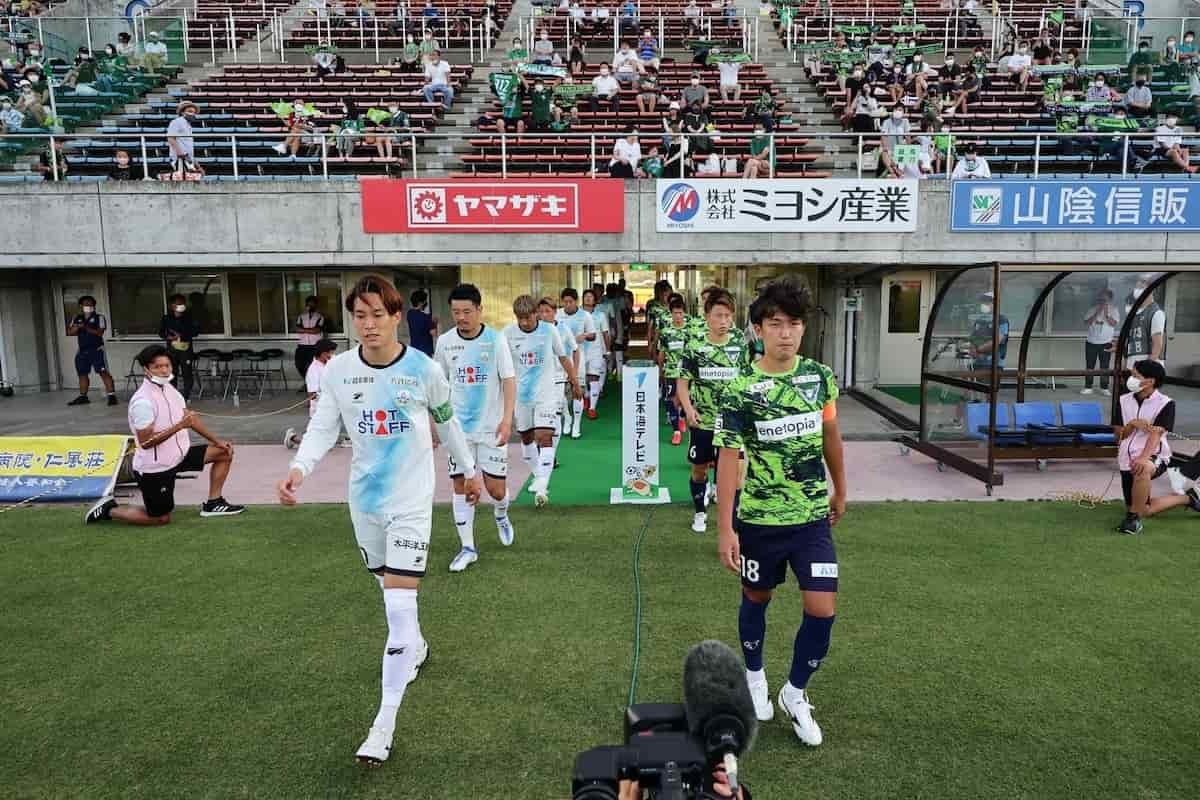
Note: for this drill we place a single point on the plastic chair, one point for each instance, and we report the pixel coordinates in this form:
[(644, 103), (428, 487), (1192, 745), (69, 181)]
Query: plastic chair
[(134, 376), (977, 424), (238, 363), (1039, 422), (273, 364), (1090, 415), (203, 366)]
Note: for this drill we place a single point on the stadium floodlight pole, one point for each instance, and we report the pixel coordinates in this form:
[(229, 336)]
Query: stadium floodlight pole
[(145, 159)]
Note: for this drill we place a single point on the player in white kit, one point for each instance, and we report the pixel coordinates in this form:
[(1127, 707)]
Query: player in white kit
[(547, 312), (478, 363), (595, 351), (583, 326), (535, 344), (385, 393)]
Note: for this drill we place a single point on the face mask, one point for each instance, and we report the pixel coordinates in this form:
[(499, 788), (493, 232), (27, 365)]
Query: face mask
[(180, 309), (986, 308), (161, 380), (539, 86), (604, 73), (858, 73), (1133, 384), (917, 59), (897, 115), (1021, 51), (1187, 40), (1171, 122), (1099, 84), (695, 81), (1170, 43), (545, 37), (88, 309), (949, 62), (971, 163)]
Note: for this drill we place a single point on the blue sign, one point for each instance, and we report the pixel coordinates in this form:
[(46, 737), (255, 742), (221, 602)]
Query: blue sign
[(1078, 206)]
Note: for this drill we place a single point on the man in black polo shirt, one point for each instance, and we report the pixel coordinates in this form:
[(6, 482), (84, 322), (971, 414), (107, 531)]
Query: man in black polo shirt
[(89, 327)]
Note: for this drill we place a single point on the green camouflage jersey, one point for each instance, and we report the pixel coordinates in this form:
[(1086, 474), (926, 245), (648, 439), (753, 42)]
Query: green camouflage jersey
[(658, 315), (778, 420), (708, 369), (672, 341)]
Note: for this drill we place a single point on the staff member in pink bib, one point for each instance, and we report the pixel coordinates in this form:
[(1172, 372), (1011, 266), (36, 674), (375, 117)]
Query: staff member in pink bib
[(160, 419), (1147, 415)]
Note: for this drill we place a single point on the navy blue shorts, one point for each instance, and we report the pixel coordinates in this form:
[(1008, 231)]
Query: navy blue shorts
[(88, 360), (767, 550)]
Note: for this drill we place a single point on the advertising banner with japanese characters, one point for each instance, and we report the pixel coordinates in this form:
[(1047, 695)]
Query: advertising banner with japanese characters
[(1079, 206), (557, 205), (59, 468), (785, 205), (639, 437)]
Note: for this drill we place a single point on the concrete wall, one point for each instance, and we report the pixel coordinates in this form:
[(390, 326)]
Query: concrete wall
[(27, 352), (157, 225)]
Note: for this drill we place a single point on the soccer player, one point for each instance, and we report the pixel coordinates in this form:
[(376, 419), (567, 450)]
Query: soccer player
[(483, 388), (595, 352), (323, 350), (583, 326), (657, 315), (90, 327), (548, 313), (781, 411), (672, 339), (385, 393), (709, 363), (535, 344)]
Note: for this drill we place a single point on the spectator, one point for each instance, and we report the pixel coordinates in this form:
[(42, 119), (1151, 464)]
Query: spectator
[(543, 48), (893, 82), (629, 18), (917, 73), (647, 96), (693, 92), (1141, 62), (1139, 100), (627, 155), (1116, 147), (179, 331), (1187, 49), (540, 103), (363, 12), (966, 92), (695, 124), (864, 111), (297, 126), (577, 13), (1018, 66), (52, 164), (437, 79), (427, 46), (648, 50), (11, 119), (675, 162), (626, 64), (155, 54), (894, 130), (1147, 329), (347, 131), (512, 109), (410, 55), (731, 14), (89, 327), (985, 339), (122, 170), (1099, 91), (578, 58), (971, 166), (397, 122), (949, 74), (31, 106), (854, 86), (429, 13), (1170, 53), (82, 76), (1168, 143), (325, 61), (600, 19), (764, 109), (1043, 48), (422, 326), (1101, 322), (310, 327), (730, 89), (179, 139), (605, 89), (760, 159), (323, 350), (126, 48), (691, 17)]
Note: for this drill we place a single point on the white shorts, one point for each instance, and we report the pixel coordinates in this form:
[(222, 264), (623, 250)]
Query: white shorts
[(594, 365), (396, 543), (536, 415), (489, 459)]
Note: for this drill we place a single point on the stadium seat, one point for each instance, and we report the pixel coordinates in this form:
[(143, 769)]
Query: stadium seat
[(1039, 422), (977, 424), (1086, 414)]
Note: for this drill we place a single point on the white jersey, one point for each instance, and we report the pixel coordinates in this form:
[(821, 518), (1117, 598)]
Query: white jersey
[(581, 322), (312, 383), (596, 350), (533, 354), (475, 369), (569, 346), (386, 412)]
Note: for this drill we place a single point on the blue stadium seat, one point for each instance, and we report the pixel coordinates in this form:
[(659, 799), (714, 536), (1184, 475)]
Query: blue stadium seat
[(977, 422), (1085, 413), (1028, 417)]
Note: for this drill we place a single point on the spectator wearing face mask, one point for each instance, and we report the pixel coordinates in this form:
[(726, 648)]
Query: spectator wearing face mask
[(764, 108), (155, 54), (971, 166), (437, 80), (1139, 100), (90, 327), (854, 85), (966, 92), (122, 169), (627, 155), (695, 124), (30, 106), (695, 91), (1148, 328), (606, 90), (578, 57), (647, 96), (648, 50), (917, 74), (543, 48), (1101, 323), (948, 75), (1170, 53), (1043, 48), (52, 164), (1100, 91), (626, 64), (730, 88), (397, 122), (126, 48), (11, 120), (179, 331), (894, 130), (1141, 62), (1187, 48), (1018, 65), (760, 160), (1168, 143), (179, 137), (893, 81), (541, 99)]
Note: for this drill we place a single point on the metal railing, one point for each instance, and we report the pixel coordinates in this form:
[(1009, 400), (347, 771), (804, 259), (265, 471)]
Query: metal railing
[(411, 147)]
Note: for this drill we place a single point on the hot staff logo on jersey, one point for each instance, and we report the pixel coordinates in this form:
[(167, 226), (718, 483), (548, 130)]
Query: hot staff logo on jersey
[(471, 374), (530, 358), (383, 422)]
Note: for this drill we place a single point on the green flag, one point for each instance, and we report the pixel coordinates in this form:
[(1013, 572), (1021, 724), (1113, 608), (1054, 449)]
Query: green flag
[(378, 115), (905, 154), (544, 70), (503, 84)]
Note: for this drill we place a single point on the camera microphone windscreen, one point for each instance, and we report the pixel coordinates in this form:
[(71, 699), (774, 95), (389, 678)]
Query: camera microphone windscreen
[(716, 699)]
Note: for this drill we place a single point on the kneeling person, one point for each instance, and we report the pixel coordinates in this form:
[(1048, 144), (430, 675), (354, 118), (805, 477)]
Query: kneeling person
[(160, 419)]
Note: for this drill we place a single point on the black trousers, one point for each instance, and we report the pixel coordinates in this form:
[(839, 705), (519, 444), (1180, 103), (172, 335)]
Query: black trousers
[(305, 353), (181, 365), (1093, 353)]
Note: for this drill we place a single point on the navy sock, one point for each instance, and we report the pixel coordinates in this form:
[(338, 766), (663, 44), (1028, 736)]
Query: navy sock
[(812, 644), (698, 488), (752, 627)]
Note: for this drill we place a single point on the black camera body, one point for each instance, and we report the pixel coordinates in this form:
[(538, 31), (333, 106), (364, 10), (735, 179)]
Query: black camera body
[(658, 753)]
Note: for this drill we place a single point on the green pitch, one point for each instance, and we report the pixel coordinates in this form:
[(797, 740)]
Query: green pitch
[(982, 651)]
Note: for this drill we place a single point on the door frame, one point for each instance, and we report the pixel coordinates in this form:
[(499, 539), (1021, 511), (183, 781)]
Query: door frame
[(910, 377)]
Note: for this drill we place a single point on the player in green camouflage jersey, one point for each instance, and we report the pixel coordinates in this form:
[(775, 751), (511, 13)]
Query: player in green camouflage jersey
[(709, 363), (673, 337), (781, 412)]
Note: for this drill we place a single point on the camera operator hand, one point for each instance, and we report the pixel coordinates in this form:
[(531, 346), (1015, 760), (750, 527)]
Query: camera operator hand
[(630, 790)]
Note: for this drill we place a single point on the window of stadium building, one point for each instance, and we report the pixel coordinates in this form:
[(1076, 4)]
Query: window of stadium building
[(229, 304)]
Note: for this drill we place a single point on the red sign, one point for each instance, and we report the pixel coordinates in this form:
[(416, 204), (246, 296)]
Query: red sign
[(554, 205)]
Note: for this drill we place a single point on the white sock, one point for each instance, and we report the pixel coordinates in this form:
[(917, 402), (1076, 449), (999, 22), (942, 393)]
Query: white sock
[(594, 392), (380, 579), (464, 520), (753, 675), (600, 389), (404, 636), (577, 408), (558, 428), (619, 357), (500, 507), (529, 454), (545, 463)]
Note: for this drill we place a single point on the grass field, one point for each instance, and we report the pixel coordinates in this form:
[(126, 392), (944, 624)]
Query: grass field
[(993, 650)]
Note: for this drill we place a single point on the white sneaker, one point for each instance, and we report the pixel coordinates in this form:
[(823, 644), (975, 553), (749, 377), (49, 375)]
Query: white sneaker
[(710, 495), (1107, 392), (794, 703), (541, 491), (422, 657), (764, 709), (376, 749), (700, 522), (1086, 391), (576, 428), (505, 530), (287, 438), (1179, 482), (465, 558)]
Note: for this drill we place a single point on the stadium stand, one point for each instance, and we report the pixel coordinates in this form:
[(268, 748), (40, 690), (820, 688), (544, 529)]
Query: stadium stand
[(216, 19), (392, 22)]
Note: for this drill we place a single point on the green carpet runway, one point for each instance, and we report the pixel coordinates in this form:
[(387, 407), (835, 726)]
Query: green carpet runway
[(590, 466)]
